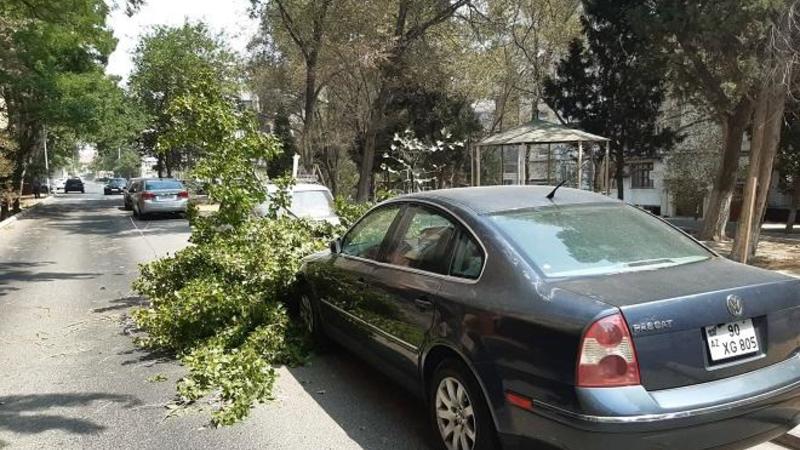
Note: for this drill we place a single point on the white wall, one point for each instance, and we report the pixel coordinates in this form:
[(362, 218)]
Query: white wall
[(657, 196)]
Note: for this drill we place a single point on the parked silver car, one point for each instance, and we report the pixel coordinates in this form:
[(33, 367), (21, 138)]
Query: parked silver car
[(157, 195)]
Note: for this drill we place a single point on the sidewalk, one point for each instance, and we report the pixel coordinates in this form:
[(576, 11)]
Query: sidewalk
[(26, 202), (777, 250)]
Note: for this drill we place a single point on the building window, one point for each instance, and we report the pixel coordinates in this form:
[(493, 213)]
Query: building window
[(640, 175)]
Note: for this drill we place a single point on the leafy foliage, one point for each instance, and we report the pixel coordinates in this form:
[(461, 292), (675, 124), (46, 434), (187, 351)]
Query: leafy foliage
[(416, 162), (52, 76), (220, 305), (173, 68)]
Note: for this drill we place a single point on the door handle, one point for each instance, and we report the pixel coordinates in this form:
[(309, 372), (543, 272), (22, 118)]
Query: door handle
[(423, 304)]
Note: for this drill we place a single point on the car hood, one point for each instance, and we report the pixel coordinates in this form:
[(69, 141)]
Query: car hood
[(631, 288)]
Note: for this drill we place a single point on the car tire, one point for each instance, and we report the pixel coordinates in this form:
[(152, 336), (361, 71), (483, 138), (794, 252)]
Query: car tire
[(82, 191), (458, 410), (308, 312)]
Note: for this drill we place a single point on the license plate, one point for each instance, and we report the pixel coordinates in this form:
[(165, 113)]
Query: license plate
[(165, 197), (731, 339)]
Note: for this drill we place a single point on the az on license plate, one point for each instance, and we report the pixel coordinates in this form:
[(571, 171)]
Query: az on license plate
[(731, 339)]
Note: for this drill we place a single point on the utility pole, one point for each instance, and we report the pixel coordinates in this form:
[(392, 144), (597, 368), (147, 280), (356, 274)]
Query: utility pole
[(46, 161)]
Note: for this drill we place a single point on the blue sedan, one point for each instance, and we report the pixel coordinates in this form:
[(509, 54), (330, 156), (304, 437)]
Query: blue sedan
[(569, 320)]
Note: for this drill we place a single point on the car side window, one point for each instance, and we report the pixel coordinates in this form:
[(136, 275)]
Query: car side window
[(424, 241), (467, 258), (366, 237)]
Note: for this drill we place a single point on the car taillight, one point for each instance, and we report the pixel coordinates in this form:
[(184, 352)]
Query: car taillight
[(607, 357), (148, 195), (183, 194)]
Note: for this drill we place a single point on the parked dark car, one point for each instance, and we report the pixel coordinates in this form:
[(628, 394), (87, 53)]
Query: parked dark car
[(115, 186), (73, 184), (578, 322)]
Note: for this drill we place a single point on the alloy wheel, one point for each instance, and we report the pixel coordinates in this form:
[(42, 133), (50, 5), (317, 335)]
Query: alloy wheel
[(306, 313), (455, 415)]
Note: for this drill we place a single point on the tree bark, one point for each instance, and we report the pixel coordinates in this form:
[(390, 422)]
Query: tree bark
[(794, 206), (766, 136), (310, 104), (772, 137), (744, 231), (716, 215), (620, 171), (376, 120)]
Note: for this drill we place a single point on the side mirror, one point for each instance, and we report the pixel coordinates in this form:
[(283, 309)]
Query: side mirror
[(336, 246)]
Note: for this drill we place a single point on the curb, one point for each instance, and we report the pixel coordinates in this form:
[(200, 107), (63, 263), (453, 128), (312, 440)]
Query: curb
[(5, 223)]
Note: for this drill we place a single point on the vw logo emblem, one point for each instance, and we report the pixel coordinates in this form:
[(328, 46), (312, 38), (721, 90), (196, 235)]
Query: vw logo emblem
[(735, 305)]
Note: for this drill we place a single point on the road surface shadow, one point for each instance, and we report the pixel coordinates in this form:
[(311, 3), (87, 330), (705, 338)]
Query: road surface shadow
[(32, 414), (99, 217), (122, 303), (373, 410), (12, 273)]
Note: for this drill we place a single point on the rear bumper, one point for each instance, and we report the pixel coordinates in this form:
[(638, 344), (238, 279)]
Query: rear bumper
[(149, 206), (750, 415)]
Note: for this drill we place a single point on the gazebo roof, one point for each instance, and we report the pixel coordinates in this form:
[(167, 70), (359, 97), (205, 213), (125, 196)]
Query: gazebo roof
[(540, 132)]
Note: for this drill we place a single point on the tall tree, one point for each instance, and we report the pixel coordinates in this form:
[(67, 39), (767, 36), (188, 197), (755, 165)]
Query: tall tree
[(305, 22), (713, 49), (613, 85), (780, 75), (412, 20), (170, 62), (51, 53)]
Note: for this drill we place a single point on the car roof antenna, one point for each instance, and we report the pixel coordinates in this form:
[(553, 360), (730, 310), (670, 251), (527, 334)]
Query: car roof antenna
[(553, 192)]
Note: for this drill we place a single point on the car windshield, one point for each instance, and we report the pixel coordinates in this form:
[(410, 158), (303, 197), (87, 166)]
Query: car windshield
[(596, 239), (118, 182), (156, 185)]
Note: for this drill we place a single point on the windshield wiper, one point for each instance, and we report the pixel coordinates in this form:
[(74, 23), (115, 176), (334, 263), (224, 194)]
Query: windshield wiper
[(650, 262)]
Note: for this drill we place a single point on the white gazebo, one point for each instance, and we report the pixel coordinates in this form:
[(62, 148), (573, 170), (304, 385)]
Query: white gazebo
[(515, 147)]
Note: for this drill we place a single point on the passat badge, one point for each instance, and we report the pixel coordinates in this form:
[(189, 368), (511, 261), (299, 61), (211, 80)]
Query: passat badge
[(735, 305)]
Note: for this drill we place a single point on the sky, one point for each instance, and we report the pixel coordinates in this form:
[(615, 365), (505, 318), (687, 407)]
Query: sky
[(228, 16)]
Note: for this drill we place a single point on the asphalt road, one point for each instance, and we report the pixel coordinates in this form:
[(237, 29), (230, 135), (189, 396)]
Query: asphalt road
[(71, 377)]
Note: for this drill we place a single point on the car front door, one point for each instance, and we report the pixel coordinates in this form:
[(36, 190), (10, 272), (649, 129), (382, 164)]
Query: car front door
[(417, 261), (344, 286)]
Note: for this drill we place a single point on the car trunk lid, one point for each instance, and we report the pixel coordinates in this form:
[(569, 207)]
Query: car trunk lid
[(668, 310)]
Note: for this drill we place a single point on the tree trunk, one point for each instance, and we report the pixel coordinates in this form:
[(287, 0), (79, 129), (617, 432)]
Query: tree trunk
[(366, 175), (744, 231), (772, 137), (306, 146), (160, 166), (794, 206), (716, 215), (620, 172)]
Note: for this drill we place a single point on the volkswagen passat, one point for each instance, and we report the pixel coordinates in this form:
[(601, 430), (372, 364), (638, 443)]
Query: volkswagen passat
[(577, 321)]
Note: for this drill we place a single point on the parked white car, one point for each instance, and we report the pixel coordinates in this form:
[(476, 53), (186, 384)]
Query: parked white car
[(58, 184), (312, 201)]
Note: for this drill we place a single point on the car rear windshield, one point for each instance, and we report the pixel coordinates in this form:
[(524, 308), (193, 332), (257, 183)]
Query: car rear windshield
[(312, 204), (596, 239), (162, 184)]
